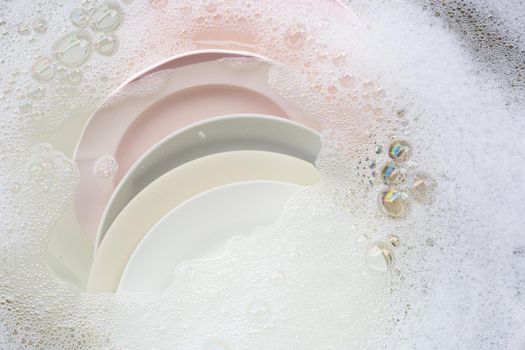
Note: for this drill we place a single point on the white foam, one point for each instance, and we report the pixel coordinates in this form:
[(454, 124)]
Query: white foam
[(399, 71)]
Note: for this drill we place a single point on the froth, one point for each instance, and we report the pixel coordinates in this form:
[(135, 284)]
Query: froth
[(327, 274)]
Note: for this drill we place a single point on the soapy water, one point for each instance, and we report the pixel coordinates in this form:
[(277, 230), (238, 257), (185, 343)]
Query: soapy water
[(406, 85)]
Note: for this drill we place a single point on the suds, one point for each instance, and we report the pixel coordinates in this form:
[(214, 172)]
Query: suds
[(443, 77)]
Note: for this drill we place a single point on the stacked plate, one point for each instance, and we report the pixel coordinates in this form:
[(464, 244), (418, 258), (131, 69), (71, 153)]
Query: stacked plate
[(183, 158)]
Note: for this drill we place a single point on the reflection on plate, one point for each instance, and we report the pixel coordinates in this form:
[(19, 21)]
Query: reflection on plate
[(200, 229)]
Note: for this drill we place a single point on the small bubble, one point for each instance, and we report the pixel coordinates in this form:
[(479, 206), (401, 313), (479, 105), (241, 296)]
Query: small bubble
[(190, 273), (37, 115), (73, 49), (392, 174), (43, 69), (380, 93), (331, 89), (26, 107), (158, 4), (74, 77), (106, 44), (295, 37), (394, 202), (40, 26), (105, 167), (106, 18), (211, 7), (46, 164), (202, 135), (185, 8), (411, 164), (422, 188), (316, 87), (277, 278), (79, 18), (362, 239), (23, 29), (378, 149), (519, 251), (400, 151), (394, 240), (379, 257), (35, 170), (215, 345), (15, 187), (346, 80), (339, 59), (258, 311), (61, 72), (37, 92)]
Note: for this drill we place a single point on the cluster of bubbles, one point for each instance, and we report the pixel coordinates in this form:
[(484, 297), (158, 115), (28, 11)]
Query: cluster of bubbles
[(324, 276), (75, 48), (105, 166), (420, 187)]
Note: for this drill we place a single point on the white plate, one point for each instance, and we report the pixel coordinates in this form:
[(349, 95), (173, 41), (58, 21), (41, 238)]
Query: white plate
[(200, 228), (220, 134), (177, 186)]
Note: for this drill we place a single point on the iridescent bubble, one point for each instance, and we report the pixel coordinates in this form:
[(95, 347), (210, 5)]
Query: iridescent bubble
[(79, 18), (73, 49), (422, 188), (105, 167), (394, 240), (40, 26), (394, 202), (106, 18), (392, 174), (106, 44), (74, 77), (43, 69), (295, 37), (258, 311), (379, 257), (400, 151)]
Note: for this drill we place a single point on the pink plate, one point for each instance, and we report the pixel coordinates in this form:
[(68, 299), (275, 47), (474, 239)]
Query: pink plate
[(190, 88)]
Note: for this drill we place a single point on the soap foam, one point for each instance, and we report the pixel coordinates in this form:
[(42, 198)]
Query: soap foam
[(425, 73)]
